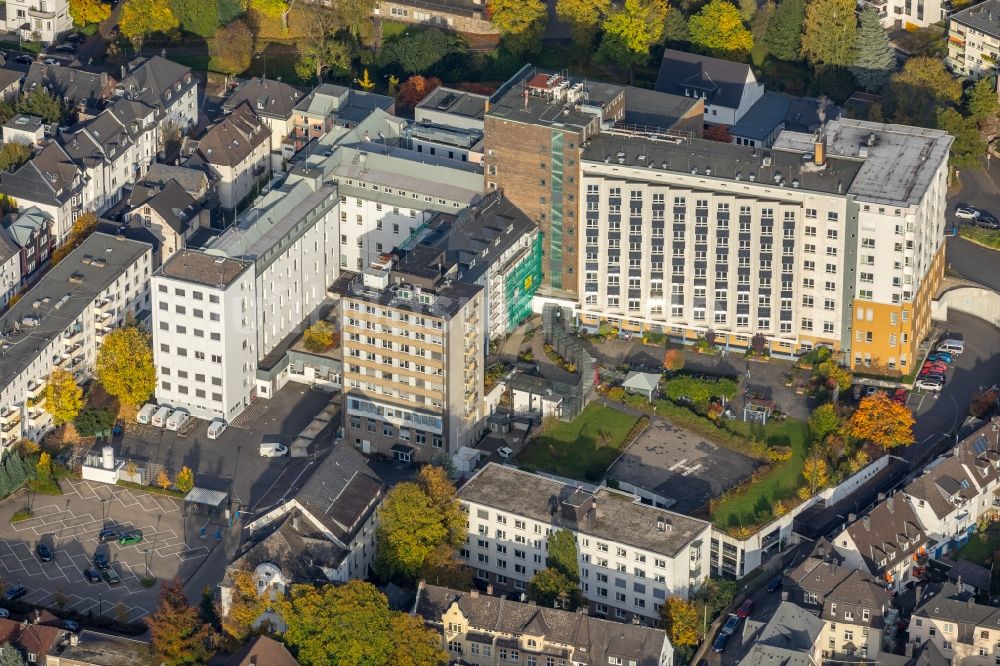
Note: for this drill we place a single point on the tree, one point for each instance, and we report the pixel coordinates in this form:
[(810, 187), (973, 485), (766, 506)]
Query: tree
[(409, 530), (91, 422), (679, 618), (421, 51), (562, 554), (631, 31), (881, 421), (354, 17), (272, 8), (43, 468), (184, 481), (85, 12), (414, 644), (829, 32), (442, 568), (823, 421), (718, 29), (12, 656), (675, 28), (874, 59), (40, 102), (914, 94), (318, 337), (981, 100), (178, 637), (584, 18), (125, 365), (163, 479), (13, 154), (673, 360), (718, 133), (969, 146), (200, 17), (246, 605), (440, 490), (521, 22), (836, 375), (415, 89), (815, 472), (365, 83), (550, 587), (319, 51), (235, 44), (783, 38), (141, 17), (63, 398)]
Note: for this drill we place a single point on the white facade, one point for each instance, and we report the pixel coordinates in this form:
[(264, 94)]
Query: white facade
[(10, 273), (204, 345), (45, 20), (909, 14)]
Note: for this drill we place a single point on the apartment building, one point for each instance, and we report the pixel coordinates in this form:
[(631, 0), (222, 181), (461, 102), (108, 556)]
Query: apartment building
[(831, 239), (10, 268), (274, 103), (60, 323), (888, 542), (974, 40), (92, 648), (44, 21), (329, 106), (86, 93), (412, 347), (31, 230), (453, 108), (52, 183), (169, 213), (535, 129), (483, 630), (632, 555), (948, 619), (204, 347), (958, 488), (236, 151), (164, 85)]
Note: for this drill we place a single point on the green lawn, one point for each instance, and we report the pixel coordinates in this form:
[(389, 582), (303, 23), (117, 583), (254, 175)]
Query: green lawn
[(978, 551), (988, 237), (581, 449), (755, 499)]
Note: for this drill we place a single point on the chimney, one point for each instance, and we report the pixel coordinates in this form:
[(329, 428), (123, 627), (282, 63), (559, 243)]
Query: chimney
[(881, 496), (819, 148), (851, 517), (867, 522), (890, 504), (489, 589), (959, 583), (784, 595), (296, 520), (474, 593), (104, 79), (253, 660), (972, 602)]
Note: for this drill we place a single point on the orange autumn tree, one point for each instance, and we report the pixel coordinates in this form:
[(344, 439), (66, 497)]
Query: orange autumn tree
[(882, 422), (673, 360), (415, 89)]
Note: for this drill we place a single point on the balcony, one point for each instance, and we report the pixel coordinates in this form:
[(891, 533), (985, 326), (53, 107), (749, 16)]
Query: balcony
[(73, 336), (37, 13), (101, 332), (35, 389), (8, 428), (10, 415), (38, 419)]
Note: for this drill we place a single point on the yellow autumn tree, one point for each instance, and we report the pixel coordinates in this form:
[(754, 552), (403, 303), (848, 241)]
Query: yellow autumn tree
[(245, 606), (125, 365), (184, 481), (815, 472), (679, 618), (85, 12), (63, 398), (718, 28), (141, 17), (881, 421)]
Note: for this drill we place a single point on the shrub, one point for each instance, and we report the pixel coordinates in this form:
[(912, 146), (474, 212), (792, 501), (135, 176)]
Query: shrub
[(90, 421)]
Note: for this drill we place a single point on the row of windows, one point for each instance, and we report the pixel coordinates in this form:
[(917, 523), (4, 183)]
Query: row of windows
[(197, 313), (195, 294), (183, 352), (183, 390)]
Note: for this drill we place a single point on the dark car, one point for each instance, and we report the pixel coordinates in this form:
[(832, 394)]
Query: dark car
[(101, 561), (15, 592), (987, 221), (76, 38), (934, 377), (92, 575), (65, 48), (24, 59), (732, 623), (719, 644), (743, 612), (44, 552), (118, 429), (775, 583), (108, 534), (111, 577)]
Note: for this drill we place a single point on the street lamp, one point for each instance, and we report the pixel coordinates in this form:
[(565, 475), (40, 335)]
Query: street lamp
[(100, 601)]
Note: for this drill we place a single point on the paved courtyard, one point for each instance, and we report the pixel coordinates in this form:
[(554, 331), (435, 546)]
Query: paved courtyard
[(70, 524)]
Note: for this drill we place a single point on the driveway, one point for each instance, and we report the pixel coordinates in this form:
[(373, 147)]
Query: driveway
[(980, 189)]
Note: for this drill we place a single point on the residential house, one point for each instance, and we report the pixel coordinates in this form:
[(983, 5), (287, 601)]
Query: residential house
[(956, 489), (170, 213), (34, 639), (274, 103), (729, 89), (909, 15), (632, 555), (262, 651), (31, 231), (22, 128), (193, 181), (236, 151), (92, 648), (163, 85), (10, 84), (974, 40), (964, 632), (462, 15), (84, 93), (330, 105), (888, 542), (50, 182), (44, 21), (10, 268), (483, 630), (775, 112), (791, 637)]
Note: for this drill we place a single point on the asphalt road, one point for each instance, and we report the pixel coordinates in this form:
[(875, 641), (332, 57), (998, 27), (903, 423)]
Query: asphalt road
[(980, 189)]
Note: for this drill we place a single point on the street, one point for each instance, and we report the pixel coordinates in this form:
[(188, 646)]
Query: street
[(968, 260)]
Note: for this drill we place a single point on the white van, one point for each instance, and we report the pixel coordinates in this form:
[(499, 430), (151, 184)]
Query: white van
[(177, 419), (952, 346), (216, 428), (272, 450), (145, 413), (161, 416)]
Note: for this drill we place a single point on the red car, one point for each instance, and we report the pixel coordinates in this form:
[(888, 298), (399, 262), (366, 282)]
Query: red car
[(900, 396), (743, 612), (934, 367)]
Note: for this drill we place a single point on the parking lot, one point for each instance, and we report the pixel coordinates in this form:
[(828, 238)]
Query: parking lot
[(70, 524)]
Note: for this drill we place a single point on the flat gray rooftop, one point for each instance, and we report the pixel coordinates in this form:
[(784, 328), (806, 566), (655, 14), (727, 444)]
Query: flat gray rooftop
[(510, 102), (620, 517), (681, 466), (898, 161), (205, 269), (71, 279), (106, 650), (455, 102), (726, 161)]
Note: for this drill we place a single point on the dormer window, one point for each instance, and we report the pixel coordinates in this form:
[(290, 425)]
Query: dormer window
[(532, 643), (833, 609)]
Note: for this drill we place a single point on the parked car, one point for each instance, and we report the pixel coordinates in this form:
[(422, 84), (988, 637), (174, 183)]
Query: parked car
[(146, 413), (719, 644), (900, 396), (111, 577), (934, 377), (76, 38), (4, 613), (966, 213), (869, 391), (505, 452), (743, 612), (101, 561), (177, 420), (272, 450), (108, 534), (775, 583), (732, 622), (92, 575), (216, 428), (130, 539), (44, 552), (15, 592), (929, 385), (65, 48), (24, 59), (987, 221), (939, 368), (51, 61), (940, 356), (70, 625), (117, 429)]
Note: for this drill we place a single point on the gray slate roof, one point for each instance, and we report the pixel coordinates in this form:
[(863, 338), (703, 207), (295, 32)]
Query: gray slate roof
[(774, 110), (234, 138), (49, 178), (269, 99), (172, 203), (593, 640), (194, 181), (342, 103), (300, 554), (28, 222), (9, 77), (80, 87), (947, 603), (984, 17), (722, 81), (8, 247), (154, 82), (970, 573), (890, 531)]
